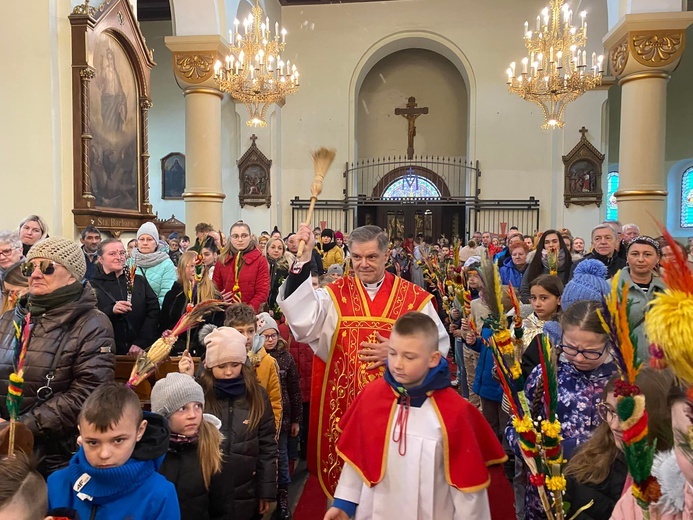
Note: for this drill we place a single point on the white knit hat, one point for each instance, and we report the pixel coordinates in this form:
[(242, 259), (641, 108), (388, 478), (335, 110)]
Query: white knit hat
[(173, 392), (148, 228), (62, 251)]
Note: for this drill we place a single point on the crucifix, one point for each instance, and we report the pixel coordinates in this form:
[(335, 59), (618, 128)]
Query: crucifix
[(253, 138), (411, 113)]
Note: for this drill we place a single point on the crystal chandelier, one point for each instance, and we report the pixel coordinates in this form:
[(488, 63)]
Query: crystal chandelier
[(555, 71), (254, 72)]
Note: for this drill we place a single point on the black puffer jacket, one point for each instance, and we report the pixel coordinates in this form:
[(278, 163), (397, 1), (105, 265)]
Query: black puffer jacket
[(138, 327), (289, 380), (250, 457), (85, 336), (182, 468), (604, 494), (278, 274)]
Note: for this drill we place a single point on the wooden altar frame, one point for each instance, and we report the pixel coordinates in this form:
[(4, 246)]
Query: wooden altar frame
[(583, 174), (111, 24), (250, 165)]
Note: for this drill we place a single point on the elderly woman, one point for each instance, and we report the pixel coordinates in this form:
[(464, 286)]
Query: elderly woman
[(10, 250), (32, 229), (70, 348), (242, 272), (130, 303), (514, 267), (152, 261)]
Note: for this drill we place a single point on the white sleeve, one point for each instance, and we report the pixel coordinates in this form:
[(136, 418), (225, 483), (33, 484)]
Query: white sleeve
[(471, 506), (443, 337), (350, 485), (311, 315)]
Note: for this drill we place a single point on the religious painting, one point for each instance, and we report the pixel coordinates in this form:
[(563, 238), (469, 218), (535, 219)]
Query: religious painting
[(583, 173), (254, 175), (111, 69), (173, 176), (113, 107)]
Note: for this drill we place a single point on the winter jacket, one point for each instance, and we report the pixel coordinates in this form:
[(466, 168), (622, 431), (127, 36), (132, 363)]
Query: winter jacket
[(277, 276), (92, 263), (638, 299), (267, 372), (485, 385), (85, 337), (524, 286), (292, 405), (161, 277), (138, 327), (171, 311), (250, 456), (182, 468), (331, 254), (613, 264), (510, 274), (605, 494), (254, 280), (676, 502), (134, 490), (303, 357)]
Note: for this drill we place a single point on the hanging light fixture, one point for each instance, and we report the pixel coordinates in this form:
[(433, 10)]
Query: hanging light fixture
[(254, 72), (555, 70)]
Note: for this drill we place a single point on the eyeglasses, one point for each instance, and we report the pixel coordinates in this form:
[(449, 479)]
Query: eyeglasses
[(271, 336), (242, 236), (46, 267), (6, 252), (592, 355), (606, 412)]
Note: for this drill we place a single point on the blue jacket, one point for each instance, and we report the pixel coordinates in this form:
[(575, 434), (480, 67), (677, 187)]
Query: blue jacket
[(485, 385), (134, 490), (510, 274)]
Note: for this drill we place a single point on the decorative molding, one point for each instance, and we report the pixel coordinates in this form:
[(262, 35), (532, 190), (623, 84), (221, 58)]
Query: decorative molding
[(638, 194), (618, 57), (657, 48), (204, 195), (644, 75), (194, 67), (203, 90)]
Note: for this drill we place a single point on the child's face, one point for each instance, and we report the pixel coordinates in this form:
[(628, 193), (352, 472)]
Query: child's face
[(543, 302), (473, 280), (271, 339), (186, 420), (680, 422), (336, 276), (113, 447), (593, 348), (227, 370), (410, 358), (248, 331)]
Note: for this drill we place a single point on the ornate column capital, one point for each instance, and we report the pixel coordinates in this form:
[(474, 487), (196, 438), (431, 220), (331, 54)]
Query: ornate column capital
[(647, 44), (194, 58)]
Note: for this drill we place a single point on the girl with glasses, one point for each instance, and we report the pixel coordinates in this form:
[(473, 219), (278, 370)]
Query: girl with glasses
[(242, 272), (598, 469)]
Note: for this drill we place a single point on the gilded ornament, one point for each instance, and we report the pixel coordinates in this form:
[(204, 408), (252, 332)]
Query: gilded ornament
[(658, 48), (195, 67), (87, 73), (618, 56), (146, 104)]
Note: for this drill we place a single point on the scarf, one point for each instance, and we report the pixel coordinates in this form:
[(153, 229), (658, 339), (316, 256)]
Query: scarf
[(533, 327), (181, 440), (545, 258), (229, 388), (150, 259), (40, 304), (327, 247)]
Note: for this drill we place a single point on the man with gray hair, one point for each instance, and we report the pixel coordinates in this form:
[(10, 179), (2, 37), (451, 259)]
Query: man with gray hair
[(347, 324), (604, 243)]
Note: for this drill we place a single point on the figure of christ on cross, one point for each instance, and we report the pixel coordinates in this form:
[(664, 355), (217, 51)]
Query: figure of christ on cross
[(411, 113)]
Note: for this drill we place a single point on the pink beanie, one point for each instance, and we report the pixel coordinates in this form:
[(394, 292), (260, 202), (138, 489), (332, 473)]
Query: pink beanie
[(225, 345)]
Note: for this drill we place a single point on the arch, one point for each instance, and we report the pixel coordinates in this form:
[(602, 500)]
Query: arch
[(413, 40), (402, 172), (675, 199)]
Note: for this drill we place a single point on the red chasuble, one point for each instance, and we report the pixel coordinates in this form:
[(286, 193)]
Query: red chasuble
[(473, 463), (337, 383)]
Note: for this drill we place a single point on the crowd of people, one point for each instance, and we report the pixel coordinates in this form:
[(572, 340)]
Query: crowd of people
[(351, 350)]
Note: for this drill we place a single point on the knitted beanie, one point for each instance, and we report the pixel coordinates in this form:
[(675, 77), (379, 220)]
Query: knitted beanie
[(327, 232), (335, 269), (588, 283), (148, 228), (225, 345), (62, 251), (266, 322), (338, 234), (173, 392)]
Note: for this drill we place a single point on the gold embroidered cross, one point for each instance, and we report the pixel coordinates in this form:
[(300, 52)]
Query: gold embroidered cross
[(373, 337)]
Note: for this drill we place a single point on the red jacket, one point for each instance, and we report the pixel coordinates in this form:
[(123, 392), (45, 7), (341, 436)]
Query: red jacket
[(303, 356), (254, 279)]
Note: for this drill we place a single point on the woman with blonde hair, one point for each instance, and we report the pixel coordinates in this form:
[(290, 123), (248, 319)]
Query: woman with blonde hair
[(275, 252), (31, 229), (190, 288)]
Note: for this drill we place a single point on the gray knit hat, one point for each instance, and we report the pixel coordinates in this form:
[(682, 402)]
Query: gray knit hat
[(173, 392), (148, 228), (62, 251), (266, 322)]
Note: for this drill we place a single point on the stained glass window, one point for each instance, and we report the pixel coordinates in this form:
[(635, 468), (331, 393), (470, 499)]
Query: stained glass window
[(411, 187), (687, 199), (611, 189)]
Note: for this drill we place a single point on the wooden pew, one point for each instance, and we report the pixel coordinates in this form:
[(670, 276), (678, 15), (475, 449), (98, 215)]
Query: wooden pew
[(124, 366)]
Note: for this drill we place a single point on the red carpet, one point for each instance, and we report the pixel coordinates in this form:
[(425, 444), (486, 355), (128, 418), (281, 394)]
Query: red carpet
[(313, 502)]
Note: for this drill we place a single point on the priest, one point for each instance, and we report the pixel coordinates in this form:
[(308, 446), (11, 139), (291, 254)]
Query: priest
[(347, 324)]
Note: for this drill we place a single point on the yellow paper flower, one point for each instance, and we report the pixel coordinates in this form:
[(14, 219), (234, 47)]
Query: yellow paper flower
[(523, 425), (551, 429), (516, 370), (556, 483), (503, 342)]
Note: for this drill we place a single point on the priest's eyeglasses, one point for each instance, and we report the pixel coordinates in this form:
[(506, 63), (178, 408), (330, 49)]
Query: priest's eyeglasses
[(592, 355), (47, 267)]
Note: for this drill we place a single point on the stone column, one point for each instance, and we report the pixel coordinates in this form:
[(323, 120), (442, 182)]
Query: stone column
[(644, 49), (193, 65)]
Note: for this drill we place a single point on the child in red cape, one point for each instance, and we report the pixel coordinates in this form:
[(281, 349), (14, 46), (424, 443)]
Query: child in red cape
[(395, 442)]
